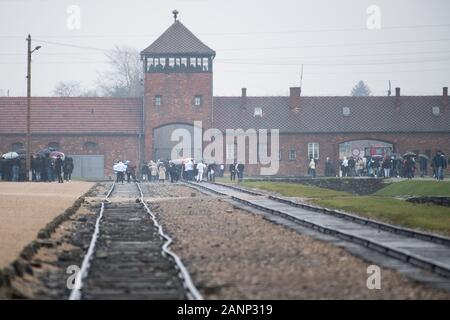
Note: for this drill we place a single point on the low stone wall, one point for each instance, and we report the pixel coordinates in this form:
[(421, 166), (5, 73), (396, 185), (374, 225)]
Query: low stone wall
[(440, 201), (360, 186)]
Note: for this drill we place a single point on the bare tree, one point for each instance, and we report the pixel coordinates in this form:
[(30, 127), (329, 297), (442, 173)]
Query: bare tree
[(124, 78), (67, 89)]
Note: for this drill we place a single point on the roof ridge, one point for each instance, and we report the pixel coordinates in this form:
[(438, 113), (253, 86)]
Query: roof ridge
[(178, 39)]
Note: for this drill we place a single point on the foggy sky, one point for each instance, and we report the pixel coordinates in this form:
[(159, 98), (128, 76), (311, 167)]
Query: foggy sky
[(260, 44)]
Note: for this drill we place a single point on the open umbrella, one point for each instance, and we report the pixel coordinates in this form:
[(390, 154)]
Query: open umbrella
[(10, 155), (120, 167), (45, 152), (56, 154), (409, 154)]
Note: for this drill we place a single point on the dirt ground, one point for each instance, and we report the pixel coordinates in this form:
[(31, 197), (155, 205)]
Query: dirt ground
[(25, 208), (233, 254)]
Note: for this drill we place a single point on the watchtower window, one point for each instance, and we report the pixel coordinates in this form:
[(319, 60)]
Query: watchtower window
[(177, 64), (158, 100), (205, 64), (198, 100)]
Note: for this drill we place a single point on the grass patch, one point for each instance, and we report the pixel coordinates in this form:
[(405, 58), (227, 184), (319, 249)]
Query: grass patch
[(422, 216), (416, 188), (294, 189)]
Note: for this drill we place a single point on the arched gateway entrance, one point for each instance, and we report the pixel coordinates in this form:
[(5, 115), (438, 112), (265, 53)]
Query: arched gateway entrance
[(163, 144)]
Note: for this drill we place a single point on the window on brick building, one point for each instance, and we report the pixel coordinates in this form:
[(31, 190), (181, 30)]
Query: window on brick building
[(198, 100), (313, 150), (346, 111), (280, 155), (292, 155), (89, 145), (258, 112), (158, 100), (16, 146), (54, 145)]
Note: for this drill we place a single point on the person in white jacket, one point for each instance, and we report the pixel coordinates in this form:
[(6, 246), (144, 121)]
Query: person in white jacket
[(201, 169)]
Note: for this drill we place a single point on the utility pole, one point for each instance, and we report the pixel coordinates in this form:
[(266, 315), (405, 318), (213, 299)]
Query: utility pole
[(28, 155)]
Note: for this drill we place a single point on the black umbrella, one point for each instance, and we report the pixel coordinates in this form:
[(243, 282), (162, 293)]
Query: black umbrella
[(46, 151), (409, 154)]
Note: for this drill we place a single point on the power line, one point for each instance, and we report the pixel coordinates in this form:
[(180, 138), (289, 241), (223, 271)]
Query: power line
[(337, 64), (240, 33), (339, 45)]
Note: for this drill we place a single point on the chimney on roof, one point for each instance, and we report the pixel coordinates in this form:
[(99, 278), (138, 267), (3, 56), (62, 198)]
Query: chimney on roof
[(397, 98), (445, 97), (244, 97), (295, 98)]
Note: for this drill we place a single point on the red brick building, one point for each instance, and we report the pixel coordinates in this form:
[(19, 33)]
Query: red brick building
[(178, 73)]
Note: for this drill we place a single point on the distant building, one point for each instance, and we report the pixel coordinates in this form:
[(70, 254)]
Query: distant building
[(179, 90)]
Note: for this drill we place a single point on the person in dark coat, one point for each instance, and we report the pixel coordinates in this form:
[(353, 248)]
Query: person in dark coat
[(439, 165), (233, 172), (423, 164), (23, 174), (59, 169), (211, 170), (145, 172), (240, 171), (68, 168)]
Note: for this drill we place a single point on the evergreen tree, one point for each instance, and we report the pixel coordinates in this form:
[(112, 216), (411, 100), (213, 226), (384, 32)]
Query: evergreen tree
[(361, 90)]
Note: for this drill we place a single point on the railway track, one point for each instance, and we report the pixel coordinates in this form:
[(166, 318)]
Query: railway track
[(423, 250), (129, 256)]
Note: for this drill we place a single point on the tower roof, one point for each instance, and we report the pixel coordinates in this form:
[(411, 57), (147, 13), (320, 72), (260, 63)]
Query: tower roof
[(178, 40)]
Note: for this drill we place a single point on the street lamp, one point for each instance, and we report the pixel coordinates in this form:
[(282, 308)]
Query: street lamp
[(28, 159)]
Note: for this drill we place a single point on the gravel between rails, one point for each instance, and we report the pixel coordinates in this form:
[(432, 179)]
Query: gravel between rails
[(233, 254)]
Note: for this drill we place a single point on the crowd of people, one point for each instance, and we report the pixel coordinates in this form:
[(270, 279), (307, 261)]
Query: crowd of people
[(407, 166), (44, 168), (169, 170)]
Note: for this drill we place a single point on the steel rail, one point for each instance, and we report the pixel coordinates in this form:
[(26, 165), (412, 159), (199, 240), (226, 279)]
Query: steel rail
[(193, 293), (352, 217), (76, 293), (411, 258)]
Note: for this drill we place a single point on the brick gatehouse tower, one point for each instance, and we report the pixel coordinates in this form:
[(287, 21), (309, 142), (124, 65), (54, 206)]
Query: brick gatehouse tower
[(178, 86)]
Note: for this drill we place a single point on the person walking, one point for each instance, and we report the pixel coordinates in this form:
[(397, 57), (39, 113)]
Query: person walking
[(162, 173), (15, 169), (200, 170), (344, 167), (68, 168), (387, 166), (189, 169), (240, 171), (59, 168), (439, 164), (211, 172), (423, 165), (233, 171), (312, 168)]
